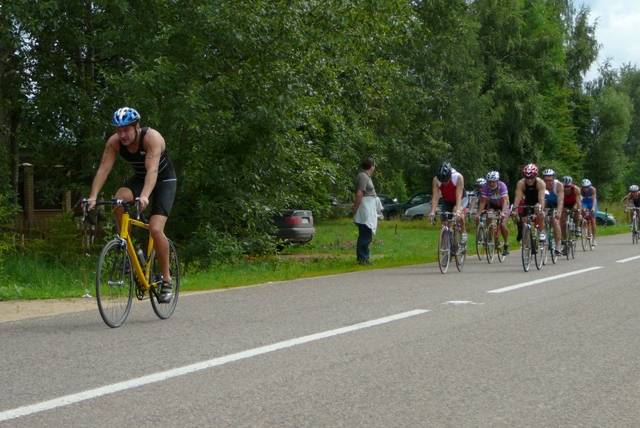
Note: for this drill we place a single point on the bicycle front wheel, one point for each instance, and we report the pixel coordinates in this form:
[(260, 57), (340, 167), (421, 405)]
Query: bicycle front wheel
[(444, 250), (165, 310), (526, 248), (481, 238), (540, 250), (584, 236), (491, 244), (114, 283), (461, 250)]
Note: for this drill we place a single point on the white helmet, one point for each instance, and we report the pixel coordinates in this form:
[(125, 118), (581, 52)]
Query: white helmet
[(585, 182), (548, 172), (481, 182), (493, 176), (634, 188)]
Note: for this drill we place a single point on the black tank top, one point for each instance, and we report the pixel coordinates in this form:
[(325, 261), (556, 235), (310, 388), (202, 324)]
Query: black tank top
[(531, 193), (136, 160)]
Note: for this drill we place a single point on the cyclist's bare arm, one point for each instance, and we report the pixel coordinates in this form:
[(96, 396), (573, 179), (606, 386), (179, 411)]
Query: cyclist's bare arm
[(541, 189), (519, 194), (154, 145), (560, 200), (435, 192), (459, 191), (106, 164)]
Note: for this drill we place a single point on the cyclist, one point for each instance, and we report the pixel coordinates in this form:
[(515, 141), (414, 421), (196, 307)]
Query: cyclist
[(448, 184), (474, 198), (631, 200), (154, 177), (530, 193), (571, 202), (589, 203), (495, 196), (554, 198)]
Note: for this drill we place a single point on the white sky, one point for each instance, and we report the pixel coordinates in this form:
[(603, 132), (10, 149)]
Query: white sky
[(618, 31)]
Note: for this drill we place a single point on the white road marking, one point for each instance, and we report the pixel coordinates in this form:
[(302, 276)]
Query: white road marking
[(461, 302), (203, 365), (627, 260), (541, 280)]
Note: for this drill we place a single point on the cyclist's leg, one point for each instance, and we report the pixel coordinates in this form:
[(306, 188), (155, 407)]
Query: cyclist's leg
[(128, 192), (563, 223), (163, 196)]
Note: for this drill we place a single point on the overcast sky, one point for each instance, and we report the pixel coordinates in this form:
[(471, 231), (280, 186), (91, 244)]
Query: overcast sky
[(618, 31)]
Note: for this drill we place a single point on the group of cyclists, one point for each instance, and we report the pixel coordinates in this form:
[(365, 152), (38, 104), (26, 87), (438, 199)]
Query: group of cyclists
[(533, 195)]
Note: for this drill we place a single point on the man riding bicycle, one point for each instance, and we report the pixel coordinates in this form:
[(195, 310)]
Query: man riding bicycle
[(554, 199), (571, 202), (632, 199), (530, 193), (154, 177), (589, 203), (448, 184), (495, 196)]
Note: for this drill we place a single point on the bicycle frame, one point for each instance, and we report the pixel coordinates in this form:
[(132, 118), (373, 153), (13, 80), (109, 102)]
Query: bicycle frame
[(142, 273)]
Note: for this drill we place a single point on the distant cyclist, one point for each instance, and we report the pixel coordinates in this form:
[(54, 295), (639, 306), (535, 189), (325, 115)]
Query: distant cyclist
[(530, 196), (589, 203), (571, 202), (554, 197), (495, 196), (447, 189), (474, 198), (632, 199), (154, 178)]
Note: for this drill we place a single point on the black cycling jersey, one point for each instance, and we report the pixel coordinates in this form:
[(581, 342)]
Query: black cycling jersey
[(164, 192), (137, 159), (531, 193)]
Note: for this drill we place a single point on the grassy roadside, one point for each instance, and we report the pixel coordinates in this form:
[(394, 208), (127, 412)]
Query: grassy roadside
[(397, 243)]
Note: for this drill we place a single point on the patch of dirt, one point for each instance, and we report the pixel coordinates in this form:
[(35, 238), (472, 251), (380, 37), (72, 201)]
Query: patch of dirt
[(14, 310)]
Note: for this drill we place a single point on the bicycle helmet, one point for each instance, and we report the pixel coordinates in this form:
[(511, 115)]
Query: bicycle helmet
[(493, 176), (530, 170), (480, 182), (548, 173), (585, 182), (634, 188), (567, 180), (125, 116), (445, 171)]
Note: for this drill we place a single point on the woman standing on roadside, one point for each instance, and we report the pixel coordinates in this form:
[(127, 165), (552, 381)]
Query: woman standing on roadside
[(365, 208)]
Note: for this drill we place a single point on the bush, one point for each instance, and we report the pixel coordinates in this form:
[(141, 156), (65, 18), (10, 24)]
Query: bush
[(210, 247)]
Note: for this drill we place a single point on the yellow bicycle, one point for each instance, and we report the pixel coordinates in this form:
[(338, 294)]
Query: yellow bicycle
[(124, 269)]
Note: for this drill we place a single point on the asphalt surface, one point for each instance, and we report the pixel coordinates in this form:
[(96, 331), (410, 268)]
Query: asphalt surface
[(565, 352)]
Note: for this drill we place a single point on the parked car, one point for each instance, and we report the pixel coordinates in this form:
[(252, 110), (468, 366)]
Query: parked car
[(387, 202), (295, 226), (423, 210), (604, 218), (397, 209)]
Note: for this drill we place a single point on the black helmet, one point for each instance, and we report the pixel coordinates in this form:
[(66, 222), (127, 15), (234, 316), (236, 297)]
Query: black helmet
[(444, 173)]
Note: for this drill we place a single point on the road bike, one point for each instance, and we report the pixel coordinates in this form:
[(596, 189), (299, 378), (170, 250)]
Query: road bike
[(570, 233), (531, 247), (492, 236), (450, 242), (549, 217), (635, 229), (586, 232), (124, 269)]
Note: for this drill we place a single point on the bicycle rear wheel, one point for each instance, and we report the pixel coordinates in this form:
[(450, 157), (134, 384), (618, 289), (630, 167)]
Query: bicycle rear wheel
[(444, 250), (499, 244), (526, 248), (634, 229), (114, 283), (480, 240), (165, 310)]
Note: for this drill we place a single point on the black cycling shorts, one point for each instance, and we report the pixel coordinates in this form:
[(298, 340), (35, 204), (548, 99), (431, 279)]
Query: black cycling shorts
[(162, 197)]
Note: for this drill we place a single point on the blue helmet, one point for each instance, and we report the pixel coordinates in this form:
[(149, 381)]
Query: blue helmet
[(125, 116)]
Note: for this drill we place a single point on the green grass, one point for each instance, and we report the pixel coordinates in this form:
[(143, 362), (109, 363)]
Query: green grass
[(397, 243)]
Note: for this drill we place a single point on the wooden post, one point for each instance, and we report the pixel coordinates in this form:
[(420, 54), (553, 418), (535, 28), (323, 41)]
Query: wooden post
[(28, 195), (66, 207)]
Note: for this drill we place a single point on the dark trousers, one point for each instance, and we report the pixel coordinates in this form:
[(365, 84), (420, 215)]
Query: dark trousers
[(364, 239)]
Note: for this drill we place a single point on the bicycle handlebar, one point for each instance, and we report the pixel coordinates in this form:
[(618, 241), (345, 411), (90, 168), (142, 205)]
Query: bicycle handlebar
[(115, 202)]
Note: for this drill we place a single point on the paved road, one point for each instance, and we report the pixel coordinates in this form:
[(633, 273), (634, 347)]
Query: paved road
[(395, 347)]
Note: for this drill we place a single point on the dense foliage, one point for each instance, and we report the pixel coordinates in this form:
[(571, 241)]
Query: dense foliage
[(269, 104)]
